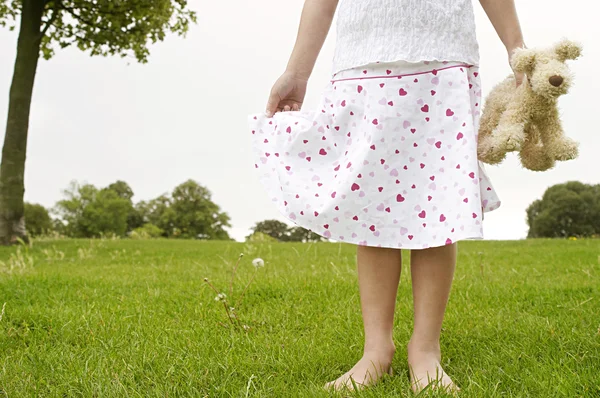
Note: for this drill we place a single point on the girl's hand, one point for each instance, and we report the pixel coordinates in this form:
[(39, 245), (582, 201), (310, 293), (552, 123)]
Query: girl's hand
[(287, 94), (519, 76), (503, 15)]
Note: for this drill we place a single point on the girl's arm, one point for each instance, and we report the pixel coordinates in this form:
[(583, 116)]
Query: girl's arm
[(289, 90), (314, 25), (503, 16)]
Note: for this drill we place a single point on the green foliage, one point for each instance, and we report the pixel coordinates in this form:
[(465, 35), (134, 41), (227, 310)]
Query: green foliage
[(37, 220), (157, 212), (9, 9), (194, 215), (566, 210), (90, 212), (105, 27), (273, 228), (147, 231), (299, 234), (123, 190), (281, 232), (260, 237), (188, 213)]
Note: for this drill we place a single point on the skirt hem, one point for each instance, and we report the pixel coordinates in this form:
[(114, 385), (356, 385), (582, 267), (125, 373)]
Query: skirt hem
[(471, 234)]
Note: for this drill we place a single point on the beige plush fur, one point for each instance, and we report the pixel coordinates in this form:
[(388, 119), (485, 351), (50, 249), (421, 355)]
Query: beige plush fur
[(526, 118)]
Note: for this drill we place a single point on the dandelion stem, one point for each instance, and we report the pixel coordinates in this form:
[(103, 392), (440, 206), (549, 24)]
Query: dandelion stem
[(246, 288), (227, 311), (233, 275), (2, 313), (237, 319), (211, 285)]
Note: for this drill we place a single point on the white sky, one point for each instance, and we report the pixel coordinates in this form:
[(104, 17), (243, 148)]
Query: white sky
[(183, 115)]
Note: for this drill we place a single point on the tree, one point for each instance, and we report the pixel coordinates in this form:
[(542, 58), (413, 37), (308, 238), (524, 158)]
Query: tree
[(101, 27), (274, 228), (188, 212), (259, 237), (565, 210), (157, 212), (195, 215), (123, 190), (91, 212), (37, 219), (299, 234), (280, 231)]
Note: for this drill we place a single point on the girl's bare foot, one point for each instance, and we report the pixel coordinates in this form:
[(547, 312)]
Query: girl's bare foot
[(367, 371), (425, 368)]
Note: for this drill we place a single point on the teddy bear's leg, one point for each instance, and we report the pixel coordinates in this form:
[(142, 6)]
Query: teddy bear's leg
[(486, 150), (489, 151), (558, 146), (533, 153), (510, 132)]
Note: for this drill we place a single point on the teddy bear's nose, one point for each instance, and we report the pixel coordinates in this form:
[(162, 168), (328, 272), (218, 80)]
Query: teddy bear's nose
[(556, 80)]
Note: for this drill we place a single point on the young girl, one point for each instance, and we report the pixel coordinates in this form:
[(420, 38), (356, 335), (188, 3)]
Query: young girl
[(389, 159)]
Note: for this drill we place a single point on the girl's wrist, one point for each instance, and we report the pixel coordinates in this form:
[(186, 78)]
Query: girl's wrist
[(510, 47), (298, 74)]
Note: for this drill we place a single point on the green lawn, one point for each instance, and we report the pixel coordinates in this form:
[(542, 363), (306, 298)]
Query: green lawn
[(123, 318)]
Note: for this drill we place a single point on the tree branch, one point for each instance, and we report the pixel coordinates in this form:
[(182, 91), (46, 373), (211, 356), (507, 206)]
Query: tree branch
[(81, 19), (78, 17), (50, 21)]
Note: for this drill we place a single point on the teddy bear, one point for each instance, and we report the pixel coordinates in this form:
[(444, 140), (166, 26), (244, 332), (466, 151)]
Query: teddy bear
[(526, 118)]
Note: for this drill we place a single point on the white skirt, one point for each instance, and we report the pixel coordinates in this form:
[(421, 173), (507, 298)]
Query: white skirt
[(388, 159)]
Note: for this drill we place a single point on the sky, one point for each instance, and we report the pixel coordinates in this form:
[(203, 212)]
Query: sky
[(183, 115)]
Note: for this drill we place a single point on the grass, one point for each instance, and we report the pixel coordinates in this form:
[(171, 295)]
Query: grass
[(123, 318)]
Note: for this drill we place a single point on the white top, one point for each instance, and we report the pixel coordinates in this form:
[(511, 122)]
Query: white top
[(409, 30)]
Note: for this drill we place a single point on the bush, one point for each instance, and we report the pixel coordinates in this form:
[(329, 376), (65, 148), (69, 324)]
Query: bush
[(89, 212), (37, 220), (147, 231), (566, 210), (260, 237)]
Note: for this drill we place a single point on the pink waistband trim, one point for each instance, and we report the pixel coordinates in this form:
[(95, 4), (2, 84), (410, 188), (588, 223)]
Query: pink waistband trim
[(434, 71)]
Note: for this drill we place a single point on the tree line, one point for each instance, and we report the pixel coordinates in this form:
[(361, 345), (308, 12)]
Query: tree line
[(88, 211), (565, 210), (188, 212)]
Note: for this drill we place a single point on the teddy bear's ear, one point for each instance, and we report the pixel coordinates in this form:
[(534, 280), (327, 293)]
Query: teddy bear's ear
[(567, 49), (523, 60)]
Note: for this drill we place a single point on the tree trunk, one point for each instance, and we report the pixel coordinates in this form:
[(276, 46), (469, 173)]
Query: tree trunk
[(12, 169)]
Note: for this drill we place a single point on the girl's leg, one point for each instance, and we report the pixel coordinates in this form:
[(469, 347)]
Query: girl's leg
[(378, 278), (432, 271)]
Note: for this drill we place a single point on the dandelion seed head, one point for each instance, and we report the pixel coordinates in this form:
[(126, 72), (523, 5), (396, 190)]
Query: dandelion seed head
[(205, 279), (258, 262), (220, 297)]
